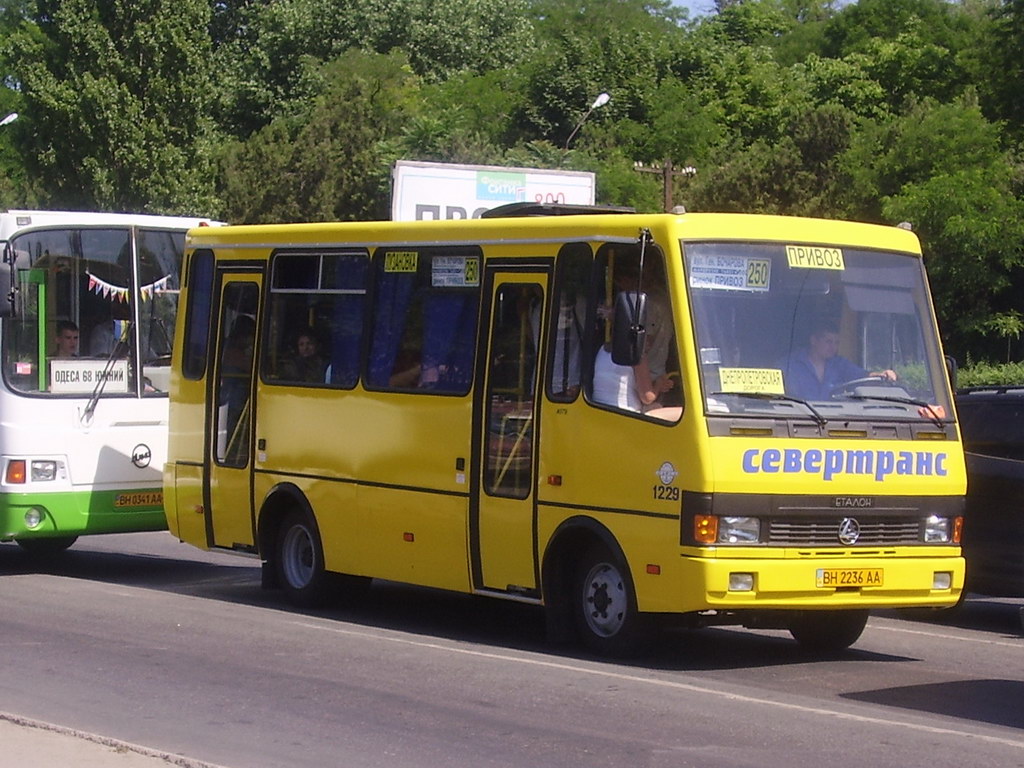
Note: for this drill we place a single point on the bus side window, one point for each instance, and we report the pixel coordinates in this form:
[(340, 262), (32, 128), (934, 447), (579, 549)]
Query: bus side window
[(200, 302), (424, 323), (651, 386), (568, 321), (317, 305)]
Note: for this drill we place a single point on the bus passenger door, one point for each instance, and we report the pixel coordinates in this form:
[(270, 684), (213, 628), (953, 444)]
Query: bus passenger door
[(505, 412), (229, 519)]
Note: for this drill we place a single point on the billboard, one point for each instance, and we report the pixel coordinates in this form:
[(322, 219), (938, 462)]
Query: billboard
[(445, 191)]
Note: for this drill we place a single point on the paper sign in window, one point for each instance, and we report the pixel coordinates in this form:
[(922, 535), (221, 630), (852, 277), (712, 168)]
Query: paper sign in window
[(751, 380)]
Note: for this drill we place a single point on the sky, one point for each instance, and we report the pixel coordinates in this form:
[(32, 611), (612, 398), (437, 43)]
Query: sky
[(696, 7)]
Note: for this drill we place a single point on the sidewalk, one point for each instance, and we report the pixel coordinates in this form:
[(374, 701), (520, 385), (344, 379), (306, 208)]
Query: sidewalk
[(29, 743)]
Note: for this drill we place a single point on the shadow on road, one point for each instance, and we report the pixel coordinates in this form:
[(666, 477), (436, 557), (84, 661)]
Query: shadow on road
[(984, 701), (165, 564), (998, 615), (177, 568)]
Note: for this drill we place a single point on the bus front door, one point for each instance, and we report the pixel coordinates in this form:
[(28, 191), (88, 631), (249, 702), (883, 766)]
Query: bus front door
[(505, 415), (229, 520)]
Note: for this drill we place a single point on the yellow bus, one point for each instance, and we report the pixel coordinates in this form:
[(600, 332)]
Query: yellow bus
[(621, 417)]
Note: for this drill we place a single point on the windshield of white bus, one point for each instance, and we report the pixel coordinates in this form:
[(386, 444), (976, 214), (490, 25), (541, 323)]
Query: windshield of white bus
[(86, 315), (847, 331)]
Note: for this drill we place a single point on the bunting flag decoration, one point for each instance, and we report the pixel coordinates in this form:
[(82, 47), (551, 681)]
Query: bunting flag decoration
[(120, 293)]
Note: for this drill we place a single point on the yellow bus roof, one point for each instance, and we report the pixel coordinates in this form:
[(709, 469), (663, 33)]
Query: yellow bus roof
[(597, 227)]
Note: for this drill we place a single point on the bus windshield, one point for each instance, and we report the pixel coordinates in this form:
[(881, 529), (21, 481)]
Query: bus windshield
[(814, 332), (95, 307)]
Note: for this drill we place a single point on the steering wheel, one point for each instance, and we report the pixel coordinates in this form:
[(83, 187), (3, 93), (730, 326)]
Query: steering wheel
[(852, 384)]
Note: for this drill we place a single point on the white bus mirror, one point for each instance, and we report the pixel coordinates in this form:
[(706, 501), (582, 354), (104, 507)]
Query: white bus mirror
[(6, 289)]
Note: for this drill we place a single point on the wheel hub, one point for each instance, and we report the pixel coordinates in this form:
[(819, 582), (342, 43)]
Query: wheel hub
[(606, 600)]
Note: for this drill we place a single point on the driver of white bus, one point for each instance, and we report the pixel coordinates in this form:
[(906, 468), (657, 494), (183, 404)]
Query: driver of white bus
[(815, 371), (67, 339)]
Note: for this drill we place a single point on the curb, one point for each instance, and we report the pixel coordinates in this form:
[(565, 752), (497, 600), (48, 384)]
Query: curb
[(115, 744)]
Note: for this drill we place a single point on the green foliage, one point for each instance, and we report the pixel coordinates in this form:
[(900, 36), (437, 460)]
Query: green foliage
[(116, 97), (796, 175), (861, 25), (990, 374), (331, 162), (928, 139), (972, 229), (999, 60), (270, 59)]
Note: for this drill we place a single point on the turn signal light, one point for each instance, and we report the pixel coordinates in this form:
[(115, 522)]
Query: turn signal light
[(15, 472), (958, 528), (705, 529)]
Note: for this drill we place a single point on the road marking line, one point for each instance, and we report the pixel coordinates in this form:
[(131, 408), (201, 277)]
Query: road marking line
[(837, 714), (1002, 643)]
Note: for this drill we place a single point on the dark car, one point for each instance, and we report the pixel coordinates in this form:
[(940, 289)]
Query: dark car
[(992, 425)]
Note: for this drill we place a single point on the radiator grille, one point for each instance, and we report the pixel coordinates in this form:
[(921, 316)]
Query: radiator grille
[(824, 531)]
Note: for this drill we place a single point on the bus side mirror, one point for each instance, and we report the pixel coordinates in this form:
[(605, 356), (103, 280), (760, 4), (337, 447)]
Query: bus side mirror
[(629, 328), (951, 370), (6, 289)]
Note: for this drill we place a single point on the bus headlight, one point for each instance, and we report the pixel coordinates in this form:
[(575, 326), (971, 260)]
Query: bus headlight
[(44, 471), (937, 530), (739, 530)]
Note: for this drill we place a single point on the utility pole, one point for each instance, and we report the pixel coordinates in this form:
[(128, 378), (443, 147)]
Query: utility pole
[(668, 173)]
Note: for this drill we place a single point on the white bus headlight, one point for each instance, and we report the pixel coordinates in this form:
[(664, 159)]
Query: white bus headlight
[(44, 470), (936, 530), (33, 517), (739, 530)]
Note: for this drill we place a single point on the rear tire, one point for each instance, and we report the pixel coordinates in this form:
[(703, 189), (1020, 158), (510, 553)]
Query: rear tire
[(828, 631), (46, 547), (604, 604), (300, 562)]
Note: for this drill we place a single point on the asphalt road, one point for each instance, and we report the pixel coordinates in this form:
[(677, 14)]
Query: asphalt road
[(145, 640)]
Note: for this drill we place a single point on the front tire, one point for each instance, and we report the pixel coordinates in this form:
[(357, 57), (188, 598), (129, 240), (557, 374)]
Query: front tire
[(828, 631), (604, 604), (300, 562)]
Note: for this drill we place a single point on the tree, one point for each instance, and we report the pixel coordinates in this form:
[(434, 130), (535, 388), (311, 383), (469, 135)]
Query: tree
[(798, 174), (16, 185), (117, 96), (928, 139), (331, 162), (1001, 67), (269, 62), (972, 230)]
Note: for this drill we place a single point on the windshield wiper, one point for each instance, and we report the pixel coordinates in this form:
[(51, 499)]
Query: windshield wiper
[(818, 418), (94, 398), (925, 408)]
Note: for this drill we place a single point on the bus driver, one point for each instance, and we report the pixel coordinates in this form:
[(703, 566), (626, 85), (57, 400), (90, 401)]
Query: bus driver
[(815, 371)]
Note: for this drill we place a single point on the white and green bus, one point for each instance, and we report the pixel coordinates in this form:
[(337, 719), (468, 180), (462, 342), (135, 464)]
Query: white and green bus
[(88, 303)]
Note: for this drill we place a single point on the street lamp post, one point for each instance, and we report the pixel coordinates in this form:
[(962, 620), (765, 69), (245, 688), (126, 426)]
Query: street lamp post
[(600, 101), (9, 119)]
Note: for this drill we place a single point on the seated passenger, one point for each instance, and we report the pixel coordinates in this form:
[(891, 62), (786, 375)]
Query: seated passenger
[(305, 363), (614, 385), (815, 371), (629, 388)]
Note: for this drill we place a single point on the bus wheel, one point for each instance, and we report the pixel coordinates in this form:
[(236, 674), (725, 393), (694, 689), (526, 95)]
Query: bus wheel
[(300, 562), (45, 547), (827, 631), (604, 605)]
